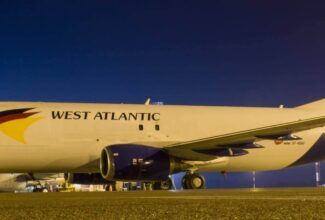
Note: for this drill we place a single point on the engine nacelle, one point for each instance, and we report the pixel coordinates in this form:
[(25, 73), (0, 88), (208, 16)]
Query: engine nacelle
[(85, 178), (136, 162)]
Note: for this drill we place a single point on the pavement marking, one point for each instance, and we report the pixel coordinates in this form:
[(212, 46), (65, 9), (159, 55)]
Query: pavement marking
[(304, 198)]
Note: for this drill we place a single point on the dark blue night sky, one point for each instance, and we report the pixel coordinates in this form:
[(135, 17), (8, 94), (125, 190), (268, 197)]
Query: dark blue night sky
[(251, 53)]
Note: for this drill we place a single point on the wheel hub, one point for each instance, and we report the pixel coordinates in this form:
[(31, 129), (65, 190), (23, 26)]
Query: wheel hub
[(197, 182)]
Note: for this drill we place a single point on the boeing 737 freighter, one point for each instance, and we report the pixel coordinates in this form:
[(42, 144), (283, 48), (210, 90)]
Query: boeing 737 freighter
[(150, 142)]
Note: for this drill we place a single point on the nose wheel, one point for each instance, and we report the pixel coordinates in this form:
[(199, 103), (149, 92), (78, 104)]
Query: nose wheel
[(193, 181)]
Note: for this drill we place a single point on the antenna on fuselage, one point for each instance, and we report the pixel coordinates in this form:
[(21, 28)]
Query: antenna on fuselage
[(147, 102)]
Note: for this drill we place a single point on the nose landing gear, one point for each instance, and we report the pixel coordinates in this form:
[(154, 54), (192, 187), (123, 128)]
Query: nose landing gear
[(193, 181)]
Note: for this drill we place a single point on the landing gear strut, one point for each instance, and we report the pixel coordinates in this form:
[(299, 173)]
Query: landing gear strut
[(193, 181)]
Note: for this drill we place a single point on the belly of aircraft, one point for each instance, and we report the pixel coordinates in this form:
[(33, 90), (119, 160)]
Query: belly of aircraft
[(48, 159)]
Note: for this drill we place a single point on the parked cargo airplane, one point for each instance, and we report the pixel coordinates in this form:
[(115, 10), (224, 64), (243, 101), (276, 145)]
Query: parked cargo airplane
[(148, 142)]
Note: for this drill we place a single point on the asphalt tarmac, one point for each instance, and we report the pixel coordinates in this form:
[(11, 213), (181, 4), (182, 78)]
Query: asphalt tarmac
[(280, 203)]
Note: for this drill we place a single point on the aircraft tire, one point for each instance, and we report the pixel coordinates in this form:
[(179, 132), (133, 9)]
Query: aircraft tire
[(196, 181), (166, 184), (193, 181), (163, 185), (185, 181)]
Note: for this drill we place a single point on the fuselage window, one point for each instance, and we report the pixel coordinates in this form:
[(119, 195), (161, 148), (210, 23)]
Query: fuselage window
[(141, 127), (157, 127)]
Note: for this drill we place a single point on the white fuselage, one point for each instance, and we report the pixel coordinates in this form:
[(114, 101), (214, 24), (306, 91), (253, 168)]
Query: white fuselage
[(69, 137)]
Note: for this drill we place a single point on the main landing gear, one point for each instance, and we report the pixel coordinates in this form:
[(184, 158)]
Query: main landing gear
[(193, 181), (189, 181)]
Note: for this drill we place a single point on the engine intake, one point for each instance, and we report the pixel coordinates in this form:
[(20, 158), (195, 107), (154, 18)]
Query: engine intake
[(137, 162)]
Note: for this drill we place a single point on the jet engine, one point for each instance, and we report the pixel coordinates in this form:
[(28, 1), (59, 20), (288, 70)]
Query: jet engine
[(137, 162), (85, 178)]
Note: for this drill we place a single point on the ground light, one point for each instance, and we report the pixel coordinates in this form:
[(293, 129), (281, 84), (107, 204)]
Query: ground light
[(317, 174)]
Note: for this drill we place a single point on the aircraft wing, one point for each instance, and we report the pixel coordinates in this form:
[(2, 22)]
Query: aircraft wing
[(192, 150)]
